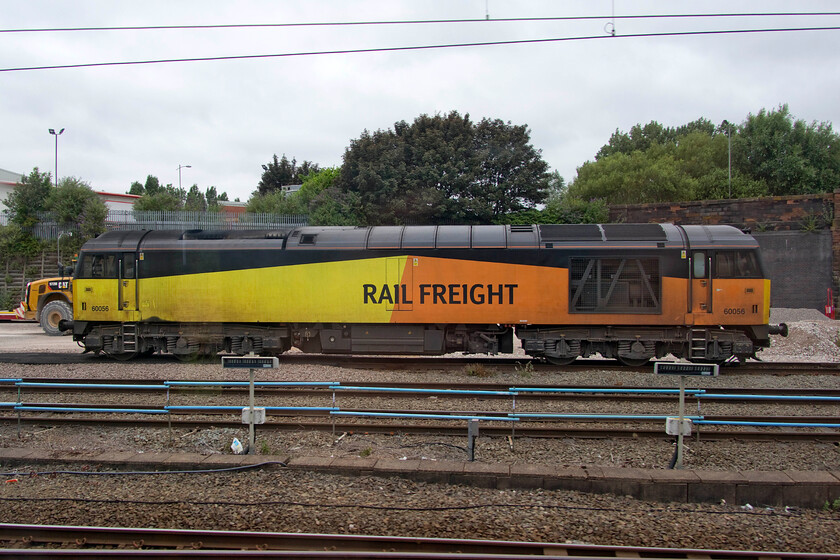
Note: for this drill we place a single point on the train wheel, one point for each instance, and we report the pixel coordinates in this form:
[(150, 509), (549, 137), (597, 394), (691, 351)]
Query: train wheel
[(560, 361), (52, 313), (122, 356), (633, 362), (187, 358)]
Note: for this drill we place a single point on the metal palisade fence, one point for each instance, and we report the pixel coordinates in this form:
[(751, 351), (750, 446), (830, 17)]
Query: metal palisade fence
[(48, 228)]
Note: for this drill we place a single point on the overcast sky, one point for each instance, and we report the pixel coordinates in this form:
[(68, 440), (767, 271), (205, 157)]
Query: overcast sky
[(227, 118)]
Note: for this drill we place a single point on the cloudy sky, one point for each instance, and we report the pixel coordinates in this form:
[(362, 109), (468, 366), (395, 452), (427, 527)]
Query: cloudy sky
[(226, 118)]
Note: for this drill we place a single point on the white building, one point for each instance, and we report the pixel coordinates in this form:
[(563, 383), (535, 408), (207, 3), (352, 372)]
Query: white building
[(117, 201), (8, 181)]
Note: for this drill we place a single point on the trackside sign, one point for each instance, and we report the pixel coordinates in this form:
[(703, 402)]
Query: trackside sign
[(673, 368)]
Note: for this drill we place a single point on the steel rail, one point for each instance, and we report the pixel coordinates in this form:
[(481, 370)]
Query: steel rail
[(588, 430), (220, 544), (440, 362), (455, 390), (534, 416)]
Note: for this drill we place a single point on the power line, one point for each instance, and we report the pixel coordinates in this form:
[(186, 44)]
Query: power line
[(414, 22), (417, 48)]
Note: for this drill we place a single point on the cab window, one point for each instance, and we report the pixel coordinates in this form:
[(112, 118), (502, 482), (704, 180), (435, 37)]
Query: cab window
[(736, 264), (99, 266), (699, 263), (128, 265)]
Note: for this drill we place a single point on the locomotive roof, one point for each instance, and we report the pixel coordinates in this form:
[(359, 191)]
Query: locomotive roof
[(433, 237)]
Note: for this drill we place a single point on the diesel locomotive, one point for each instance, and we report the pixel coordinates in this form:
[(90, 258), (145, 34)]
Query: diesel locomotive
[(626, 291)]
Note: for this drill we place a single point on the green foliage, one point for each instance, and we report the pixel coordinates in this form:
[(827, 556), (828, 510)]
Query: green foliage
[(213, 199), (772, 154), (317, 197), (526, 370), (443, 169), (477, 370), (9, 299), (73, 202), (194, 201), (643, 137), (832, 506), (790, 156), (157, 198), (572, 210), (282, 172), (15, 242), (29, 198)]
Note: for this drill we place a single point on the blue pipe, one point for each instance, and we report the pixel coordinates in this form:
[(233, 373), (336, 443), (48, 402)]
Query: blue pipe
[(431, 416), (237, 408), (72, 409), (768, 424), (617, 391), (770, 397), (87, 385), (427, 391), (246, 383), (606, 416)]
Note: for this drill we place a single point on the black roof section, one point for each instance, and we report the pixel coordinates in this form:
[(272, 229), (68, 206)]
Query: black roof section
[(405, 238)]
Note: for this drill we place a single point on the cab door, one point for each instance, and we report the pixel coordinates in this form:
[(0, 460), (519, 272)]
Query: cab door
[(127, 287), (700, 265)]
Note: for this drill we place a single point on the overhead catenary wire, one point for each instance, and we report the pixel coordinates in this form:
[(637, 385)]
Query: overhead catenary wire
[(418, 48), (611, 16)]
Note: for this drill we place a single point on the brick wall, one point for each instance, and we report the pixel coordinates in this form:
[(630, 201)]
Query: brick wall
[(801, 214), (776, 213)]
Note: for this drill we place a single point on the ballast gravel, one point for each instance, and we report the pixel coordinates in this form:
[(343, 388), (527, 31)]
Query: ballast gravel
[(273, 498)]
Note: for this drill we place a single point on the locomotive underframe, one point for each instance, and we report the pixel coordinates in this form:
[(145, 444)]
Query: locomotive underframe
[(557, 344), (637, 345)]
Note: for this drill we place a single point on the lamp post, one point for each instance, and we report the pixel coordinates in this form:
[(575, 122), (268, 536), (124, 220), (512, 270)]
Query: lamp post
[(179, 174), (58, 247), (729, 140), (56, 134)]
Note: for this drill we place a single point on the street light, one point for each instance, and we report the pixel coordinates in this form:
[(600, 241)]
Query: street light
[(58, 247), (56, 134), (729, 138), (179, 174)]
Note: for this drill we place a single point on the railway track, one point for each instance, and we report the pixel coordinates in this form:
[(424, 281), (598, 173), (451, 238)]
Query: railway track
[(567, 429), (107, 542), (320, 411), (411, 363), (368, 389)]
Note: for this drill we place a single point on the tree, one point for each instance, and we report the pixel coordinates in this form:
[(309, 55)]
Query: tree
[(29, 198), (791, 156), (512, 174), (282, 172), (445, 169), (160, 198), (213, 198), (316, 197), (74, 202), (642, 137), (650, 176), (194, 201)]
